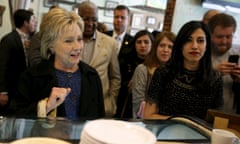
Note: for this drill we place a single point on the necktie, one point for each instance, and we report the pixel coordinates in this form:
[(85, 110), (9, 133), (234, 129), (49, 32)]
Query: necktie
[(118, 39)]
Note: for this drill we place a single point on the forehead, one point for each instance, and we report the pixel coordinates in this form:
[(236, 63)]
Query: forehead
[(211, 14), (88, 12), (70, 29), (143, 37), (165, 39), (121, 12), (223, 30), (198, 32)]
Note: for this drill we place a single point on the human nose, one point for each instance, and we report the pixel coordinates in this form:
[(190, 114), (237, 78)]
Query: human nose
[(144, 44), (166, 48), (224, 40), (78, 44), (194, 45)]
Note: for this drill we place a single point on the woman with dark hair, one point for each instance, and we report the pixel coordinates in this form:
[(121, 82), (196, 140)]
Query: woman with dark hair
[(141, 45), (188, 85)]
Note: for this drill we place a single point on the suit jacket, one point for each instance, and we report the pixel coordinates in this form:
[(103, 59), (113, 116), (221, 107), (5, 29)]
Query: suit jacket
[(126, 59), (125, 47), (105, 61), (12, 62), (37, 82)]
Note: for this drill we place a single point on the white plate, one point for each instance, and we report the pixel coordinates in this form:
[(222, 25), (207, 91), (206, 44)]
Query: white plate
[(39, 140), (118, 132)]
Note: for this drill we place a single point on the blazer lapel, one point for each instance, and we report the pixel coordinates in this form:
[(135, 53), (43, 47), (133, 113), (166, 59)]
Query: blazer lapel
[(97, 47)]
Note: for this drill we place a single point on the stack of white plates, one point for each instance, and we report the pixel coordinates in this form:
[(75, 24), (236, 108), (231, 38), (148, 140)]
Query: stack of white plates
[(39, 140), (115, 132)]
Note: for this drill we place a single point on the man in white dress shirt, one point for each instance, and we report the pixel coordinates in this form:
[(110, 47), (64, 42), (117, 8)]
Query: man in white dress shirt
[(121, 21)]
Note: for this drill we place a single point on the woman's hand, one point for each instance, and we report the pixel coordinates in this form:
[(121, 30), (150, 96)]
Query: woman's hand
[(151, 112), (57, 97)]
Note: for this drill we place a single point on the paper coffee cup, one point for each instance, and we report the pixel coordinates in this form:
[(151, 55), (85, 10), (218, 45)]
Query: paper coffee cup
[(220, 136)]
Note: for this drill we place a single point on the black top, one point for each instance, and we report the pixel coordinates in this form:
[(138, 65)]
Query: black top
[(181, 95)]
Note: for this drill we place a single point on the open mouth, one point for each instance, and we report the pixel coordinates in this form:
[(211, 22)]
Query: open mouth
[(76, 55)]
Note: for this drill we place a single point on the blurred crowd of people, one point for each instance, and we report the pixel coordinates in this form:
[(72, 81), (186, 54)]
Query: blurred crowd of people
[(75, 67)]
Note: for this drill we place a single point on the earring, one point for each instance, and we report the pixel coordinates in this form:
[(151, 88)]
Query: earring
[(51, 50)]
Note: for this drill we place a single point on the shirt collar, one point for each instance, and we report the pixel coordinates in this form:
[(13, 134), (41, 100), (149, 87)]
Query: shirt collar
[(92, 38), (22, 34)]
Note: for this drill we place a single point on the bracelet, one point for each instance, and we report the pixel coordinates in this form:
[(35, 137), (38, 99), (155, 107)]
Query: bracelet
[(41, 110)]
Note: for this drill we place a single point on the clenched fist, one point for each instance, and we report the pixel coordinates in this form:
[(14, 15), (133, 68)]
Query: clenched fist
[(57, 97)]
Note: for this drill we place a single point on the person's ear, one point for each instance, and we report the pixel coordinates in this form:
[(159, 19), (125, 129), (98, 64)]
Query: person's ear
[(26, 23)]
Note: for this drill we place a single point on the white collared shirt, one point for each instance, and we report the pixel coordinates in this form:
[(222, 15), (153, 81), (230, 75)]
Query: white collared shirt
[(121, 37), (24, 37), (88, 49)]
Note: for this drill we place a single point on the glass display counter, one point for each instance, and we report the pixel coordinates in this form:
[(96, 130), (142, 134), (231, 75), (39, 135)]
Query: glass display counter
[(174, 130)]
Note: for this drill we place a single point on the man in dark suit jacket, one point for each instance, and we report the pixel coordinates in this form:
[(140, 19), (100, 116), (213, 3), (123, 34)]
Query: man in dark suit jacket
[(120, 22), (13, 59)]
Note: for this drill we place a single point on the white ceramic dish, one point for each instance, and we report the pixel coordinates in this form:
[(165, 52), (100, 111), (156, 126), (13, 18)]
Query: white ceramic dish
[(116, 132), (39, 140)]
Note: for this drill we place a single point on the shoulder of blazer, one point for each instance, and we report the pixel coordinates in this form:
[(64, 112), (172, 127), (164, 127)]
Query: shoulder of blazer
[(12, 35), (103, 37), (128, 36), (110, 33), (12, 39)]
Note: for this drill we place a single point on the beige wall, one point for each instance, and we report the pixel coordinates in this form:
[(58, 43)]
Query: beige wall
[(36, 5), (6, 23)]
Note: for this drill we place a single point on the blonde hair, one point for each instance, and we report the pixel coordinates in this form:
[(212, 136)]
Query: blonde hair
[(55, 22)]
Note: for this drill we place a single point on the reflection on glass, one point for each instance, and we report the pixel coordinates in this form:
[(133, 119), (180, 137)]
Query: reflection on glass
[(16, 128)]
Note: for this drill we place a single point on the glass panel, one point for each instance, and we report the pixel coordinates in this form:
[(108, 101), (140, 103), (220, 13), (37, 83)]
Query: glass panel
[(169, 130)]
